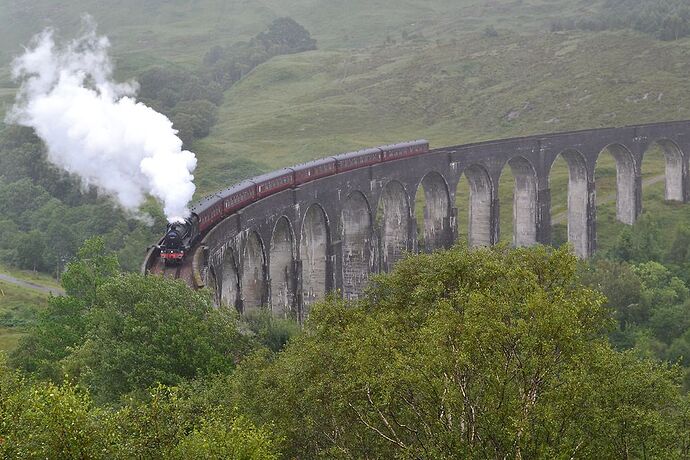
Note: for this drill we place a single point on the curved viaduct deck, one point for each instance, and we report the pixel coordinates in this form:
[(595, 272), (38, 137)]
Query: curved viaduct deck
[(288, 249)]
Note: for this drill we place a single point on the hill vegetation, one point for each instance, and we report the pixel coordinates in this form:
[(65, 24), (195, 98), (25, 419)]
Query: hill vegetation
[(499, 352), (249, 93), (419, 70), (459, 354), (663, 19)]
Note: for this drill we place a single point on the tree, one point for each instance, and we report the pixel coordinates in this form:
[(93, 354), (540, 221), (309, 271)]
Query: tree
[(42, 420), (145, 330), (29, 250), (48, 421), (466, 354), (284, 36), (93, 266), (659, 287), (619, 283), (185, 125), (679, 252), (240, 440), (63, 324), (118, 333), (20, 197)]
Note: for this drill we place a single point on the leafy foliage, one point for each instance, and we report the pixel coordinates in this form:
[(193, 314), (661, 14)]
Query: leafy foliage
[(497, 353), (45, 215), (462, 354), (652, 308), (44, 420), (144, 331), (215, 439), (120, 334)]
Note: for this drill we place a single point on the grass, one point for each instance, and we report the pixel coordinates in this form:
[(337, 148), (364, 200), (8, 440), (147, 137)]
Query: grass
[(19, 305), (9, 338), (300, 107), (182, 31), (18, 309), (30, 276), (367, 85)]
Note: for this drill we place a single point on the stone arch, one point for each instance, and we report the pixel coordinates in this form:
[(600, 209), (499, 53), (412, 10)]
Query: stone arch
[(356, 227), (230, 283), (674, 160), (281, 269), (394, 217), (253, 273), (212, 284), (626, 198), (481, 202), (314, 256), (524, 201), (578, 200), (436, 230)]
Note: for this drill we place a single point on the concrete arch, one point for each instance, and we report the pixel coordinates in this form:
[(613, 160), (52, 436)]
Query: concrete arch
[(675, 166), (480, 229), (356, 227), (230, 283), (580, 203), (253, 273), (437, 232), (314, 245), (394, 218), (524, 201), (627, 207), (281, 269)]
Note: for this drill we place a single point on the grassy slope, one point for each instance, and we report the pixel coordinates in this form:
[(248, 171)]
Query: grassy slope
[(366, 86), (304, 106), (300, 107), (19, 306), (450, 84)]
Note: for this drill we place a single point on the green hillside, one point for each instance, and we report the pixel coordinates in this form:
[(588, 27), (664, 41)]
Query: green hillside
[(387, 71), (178, 30), (117, 369), (450, 92)]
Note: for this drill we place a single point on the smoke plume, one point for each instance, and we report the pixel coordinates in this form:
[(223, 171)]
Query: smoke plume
[(94, 127)]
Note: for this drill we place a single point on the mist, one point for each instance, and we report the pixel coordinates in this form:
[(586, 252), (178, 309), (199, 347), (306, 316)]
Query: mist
[(93, 126)]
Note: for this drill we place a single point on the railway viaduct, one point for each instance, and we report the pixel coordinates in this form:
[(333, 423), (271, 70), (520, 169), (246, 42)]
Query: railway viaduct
[(289, 249)]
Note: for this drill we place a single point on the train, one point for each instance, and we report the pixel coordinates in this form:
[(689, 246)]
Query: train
[(180, 237)]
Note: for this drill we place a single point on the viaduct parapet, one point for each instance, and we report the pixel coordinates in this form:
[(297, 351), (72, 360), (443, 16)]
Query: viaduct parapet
[(289, 249)]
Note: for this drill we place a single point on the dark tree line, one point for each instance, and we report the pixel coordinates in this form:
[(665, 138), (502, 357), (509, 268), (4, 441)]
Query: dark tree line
[(191, 99), (45, 214), (664, 19), (227, 65)]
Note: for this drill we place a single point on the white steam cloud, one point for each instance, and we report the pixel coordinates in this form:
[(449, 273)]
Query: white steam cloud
[(93, 126)]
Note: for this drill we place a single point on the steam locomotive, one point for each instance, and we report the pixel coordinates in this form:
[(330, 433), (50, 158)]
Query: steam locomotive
[(180, 237)]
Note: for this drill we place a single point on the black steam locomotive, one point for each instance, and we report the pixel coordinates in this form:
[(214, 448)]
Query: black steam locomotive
[(181, 236), (178, 240)]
